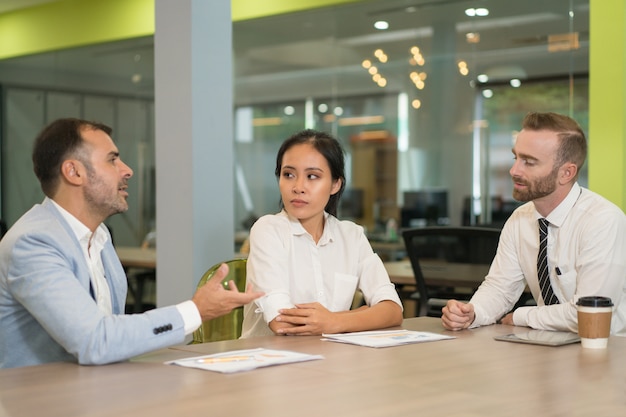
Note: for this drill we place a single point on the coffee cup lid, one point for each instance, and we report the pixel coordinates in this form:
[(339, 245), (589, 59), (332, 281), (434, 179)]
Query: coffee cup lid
[(594, 301)]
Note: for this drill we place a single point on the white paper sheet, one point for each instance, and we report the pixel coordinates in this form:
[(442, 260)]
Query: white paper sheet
[(243, 360), (385, 338)]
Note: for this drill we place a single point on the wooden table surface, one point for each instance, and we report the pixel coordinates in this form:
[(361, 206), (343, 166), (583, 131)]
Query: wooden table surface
[(471, 375)]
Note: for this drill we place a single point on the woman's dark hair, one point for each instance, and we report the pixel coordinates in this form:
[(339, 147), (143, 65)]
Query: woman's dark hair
[(330, 148)]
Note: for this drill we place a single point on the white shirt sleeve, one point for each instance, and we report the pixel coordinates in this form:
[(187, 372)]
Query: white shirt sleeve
[(374, 280), (268, 265), (191, 316), (503, 284)]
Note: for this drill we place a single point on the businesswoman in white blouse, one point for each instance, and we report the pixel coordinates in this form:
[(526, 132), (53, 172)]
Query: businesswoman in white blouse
[(309, 263)]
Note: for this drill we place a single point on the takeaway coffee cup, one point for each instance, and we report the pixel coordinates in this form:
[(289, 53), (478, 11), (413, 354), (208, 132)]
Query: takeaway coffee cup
[(594, 321)]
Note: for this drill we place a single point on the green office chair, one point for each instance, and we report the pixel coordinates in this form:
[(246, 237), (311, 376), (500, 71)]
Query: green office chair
[(226, 327)]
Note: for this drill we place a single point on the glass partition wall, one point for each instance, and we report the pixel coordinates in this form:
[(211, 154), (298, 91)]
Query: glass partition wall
[(427, 106)]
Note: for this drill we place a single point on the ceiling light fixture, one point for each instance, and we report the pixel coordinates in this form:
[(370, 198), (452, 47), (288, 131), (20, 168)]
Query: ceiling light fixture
[(463, 70), (380, 54), (367, 64), (480, 12), (472, 37), (381, 25)]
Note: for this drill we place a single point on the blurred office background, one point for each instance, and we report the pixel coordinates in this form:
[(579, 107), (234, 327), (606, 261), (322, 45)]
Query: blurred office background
[(426, 108)]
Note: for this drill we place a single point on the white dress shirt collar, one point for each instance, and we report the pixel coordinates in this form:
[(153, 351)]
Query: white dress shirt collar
[(297, 229), (559, 214), (91, 245)]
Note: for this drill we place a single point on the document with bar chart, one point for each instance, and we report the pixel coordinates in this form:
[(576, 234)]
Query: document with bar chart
[(243, 360)]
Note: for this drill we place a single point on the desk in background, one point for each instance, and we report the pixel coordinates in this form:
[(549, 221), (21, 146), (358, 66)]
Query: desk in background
[(388, 250), (140, 267), (136, 257), (468, 276), (133, 257), (472, 375), (463, 277), (438, 273)]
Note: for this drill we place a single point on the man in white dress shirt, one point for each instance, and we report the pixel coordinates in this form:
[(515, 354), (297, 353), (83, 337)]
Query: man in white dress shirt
[(586, 249)]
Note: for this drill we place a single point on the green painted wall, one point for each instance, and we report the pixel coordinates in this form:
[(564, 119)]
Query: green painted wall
[(607, 98), (252, 9), (71, 23)]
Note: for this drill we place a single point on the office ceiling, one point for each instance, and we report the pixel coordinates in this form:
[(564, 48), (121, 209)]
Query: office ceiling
[(319, 52)]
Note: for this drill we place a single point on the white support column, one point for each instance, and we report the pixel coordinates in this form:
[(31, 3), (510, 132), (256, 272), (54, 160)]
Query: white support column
[(194, 142)]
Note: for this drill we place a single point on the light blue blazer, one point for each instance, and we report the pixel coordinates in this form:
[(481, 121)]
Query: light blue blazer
[(47, 309)]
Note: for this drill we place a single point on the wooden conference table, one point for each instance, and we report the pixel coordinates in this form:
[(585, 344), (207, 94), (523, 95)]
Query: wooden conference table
[(472, 375)]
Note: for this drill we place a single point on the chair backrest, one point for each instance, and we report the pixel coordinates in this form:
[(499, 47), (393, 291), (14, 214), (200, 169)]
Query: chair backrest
[(226, 327), (437, 251), (3, 228)]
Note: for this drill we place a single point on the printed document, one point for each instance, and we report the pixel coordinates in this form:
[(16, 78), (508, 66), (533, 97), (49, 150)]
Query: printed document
[(385, 338), (243, 360)]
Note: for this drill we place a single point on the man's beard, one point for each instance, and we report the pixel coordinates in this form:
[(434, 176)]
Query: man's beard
[(536, 189), (100, 198)]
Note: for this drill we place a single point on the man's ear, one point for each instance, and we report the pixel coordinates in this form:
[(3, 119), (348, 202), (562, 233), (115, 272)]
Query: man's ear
[(72, 171), (568, 172)]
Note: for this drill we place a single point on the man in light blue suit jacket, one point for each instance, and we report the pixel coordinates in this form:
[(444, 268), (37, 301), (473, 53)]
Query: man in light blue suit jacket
[(62, 286)]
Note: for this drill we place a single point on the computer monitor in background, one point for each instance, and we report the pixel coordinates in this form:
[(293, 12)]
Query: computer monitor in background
[(424, 207), (351, 204)]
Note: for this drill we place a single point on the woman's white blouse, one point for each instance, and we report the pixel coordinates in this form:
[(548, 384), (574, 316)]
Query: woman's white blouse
[(286, 264)]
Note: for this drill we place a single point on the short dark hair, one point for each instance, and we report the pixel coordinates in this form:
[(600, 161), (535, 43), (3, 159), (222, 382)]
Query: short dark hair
[(330, 148), (572, 141), (55, 143)]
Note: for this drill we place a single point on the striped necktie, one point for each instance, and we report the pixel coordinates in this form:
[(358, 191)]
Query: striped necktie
[(542, 265)]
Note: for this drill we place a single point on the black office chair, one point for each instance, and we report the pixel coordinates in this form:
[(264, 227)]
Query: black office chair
[(444, 254), (3, 228)]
